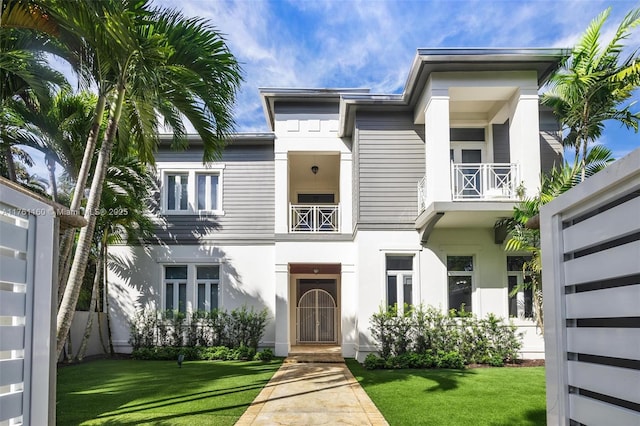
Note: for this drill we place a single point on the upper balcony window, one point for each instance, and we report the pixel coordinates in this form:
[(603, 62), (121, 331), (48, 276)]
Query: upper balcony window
[(192, 191)]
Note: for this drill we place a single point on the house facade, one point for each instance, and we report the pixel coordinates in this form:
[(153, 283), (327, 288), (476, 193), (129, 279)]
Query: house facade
[(355, 201)]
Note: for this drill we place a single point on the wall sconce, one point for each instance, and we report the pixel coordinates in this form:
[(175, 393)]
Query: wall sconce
[(316, 270), (314, 169)]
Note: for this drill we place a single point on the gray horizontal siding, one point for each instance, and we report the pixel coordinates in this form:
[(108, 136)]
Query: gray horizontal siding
[(389, 163), (248, 200), (230, 153), (501, 148), (304, 111), (550, 140)]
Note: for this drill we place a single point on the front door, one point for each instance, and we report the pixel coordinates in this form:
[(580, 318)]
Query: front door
[(316, 311)]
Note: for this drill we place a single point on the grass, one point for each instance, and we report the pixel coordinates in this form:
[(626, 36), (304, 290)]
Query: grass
[(128, 392), (482, 396)]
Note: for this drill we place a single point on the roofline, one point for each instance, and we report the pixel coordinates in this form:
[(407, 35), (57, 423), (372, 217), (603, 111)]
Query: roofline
[(234, 138), (268, 95), (424, 57), (547, 60)]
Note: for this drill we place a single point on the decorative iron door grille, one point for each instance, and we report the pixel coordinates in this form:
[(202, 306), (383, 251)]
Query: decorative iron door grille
[(316, 317)]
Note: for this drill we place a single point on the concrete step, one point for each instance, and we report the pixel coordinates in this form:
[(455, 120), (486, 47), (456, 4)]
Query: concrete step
[(313, 357)]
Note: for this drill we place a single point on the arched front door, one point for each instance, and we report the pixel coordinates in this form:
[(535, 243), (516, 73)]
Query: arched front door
[(316, 317)]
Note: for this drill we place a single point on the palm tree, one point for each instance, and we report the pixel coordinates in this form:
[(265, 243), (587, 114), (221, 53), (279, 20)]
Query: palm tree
[(523, 226), (593, 85), (126, 196), (59, 131), (158, 63), (26, 82)]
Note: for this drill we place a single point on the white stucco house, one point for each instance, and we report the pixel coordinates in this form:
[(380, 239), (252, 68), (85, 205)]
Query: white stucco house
[(354, 201)]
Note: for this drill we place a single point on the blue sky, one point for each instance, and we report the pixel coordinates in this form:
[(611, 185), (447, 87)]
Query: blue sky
[(372, 43)]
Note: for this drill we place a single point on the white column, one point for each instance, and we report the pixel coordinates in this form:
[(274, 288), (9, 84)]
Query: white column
[(524, 139), (281, 193), (437, 145), (282, 310), (346, 193), (348, 310)]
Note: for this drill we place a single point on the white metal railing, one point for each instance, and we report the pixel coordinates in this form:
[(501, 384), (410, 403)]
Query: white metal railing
[(484, 181), (314, 218), (422, 194)]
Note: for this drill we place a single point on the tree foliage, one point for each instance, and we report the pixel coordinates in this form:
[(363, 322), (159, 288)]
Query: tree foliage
[(595, 84)]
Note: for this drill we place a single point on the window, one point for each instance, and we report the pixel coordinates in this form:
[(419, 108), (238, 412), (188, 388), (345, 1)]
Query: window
[(520, 292), (175, 285), (187, 190), (207, 282), (460, 282), (177, 192), (207, 191), (399, 281)]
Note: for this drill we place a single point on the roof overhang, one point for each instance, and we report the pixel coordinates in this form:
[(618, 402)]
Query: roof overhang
[(542, 60), (245, 138), (269, 96)]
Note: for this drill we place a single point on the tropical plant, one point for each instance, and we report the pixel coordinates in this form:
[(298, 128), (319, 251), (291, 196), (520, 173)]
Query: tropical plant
[(154, 62), (594, 85), (524, 225)]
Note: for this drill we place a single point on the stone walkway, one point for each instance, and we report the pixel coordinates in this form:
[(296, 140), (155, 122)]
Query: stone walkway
[(312, 393)]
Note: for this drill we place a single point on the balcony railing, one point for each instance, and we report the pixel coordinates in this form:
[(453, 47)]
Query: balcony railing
[(478, 181), (484, 181), (314, 218)]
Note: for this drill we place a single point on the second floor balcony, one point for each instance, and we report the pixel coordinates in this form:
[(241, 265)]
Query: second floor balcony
[(314, 218), (478, 182)]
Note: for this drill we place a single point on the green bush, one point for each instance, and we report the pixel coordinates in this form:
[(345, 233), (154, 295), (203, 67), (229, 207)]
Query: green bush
[(451, 359), (424, 338), (242, 328), (373, 362), (264, 355)]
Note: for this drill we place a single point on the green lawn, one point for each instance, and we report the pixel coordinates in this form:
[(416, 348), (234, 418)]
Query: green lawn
[(128, 392), (482, 396)]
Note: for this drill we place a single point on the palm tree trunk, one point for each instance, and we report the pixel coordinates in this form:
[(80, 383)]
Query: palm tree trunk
[(106, 298), (79, 265), (11, 165), (51, 167), (82, 350), (68, 239)]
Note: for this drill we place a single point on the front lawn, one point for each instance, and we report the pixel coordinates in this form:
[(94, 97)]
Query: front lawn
[(128, 392), (481, 396)]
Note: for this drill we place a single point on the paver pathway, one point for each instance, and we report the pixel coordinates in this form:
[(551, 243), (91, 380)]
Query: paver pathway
[(302, 393)]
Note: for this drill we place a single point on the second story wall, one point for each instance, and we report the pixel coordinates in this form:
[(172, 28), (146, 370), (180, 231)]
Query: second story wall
[(246, 186), (389, 161)]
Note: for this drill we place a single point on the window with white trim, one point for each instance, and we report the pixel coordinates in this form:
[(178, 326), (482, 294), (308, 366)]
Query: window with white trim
[(519, 290), (177, 192), (187, 189), (460, 282), (207, 195), (175, 288), (207, 287), (399, 285)]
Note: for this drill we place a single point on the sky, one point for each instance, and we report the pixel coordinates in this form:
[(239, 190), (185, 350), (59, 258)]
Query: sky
[(372, 43)]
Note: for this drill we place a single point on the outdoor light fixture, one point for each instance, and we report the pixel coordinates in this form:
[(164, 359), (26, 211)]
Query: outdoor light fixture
[(314, 169), (316, 270)]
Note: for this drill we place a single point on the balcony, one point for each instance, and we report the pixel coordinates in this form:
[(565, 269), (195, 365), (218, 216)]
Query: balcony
[(313, 218), (478, 182)]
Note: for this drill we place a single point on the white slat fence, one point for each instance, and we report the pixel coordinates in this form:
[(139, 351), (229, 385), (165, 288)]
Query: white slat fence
[(591, 285), (28, 235)]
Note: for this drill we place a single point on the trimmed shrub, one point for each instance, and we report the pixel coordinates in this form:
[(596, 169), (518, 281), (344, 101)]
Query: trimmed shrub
[(424, 338), (264, 355)]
